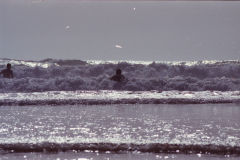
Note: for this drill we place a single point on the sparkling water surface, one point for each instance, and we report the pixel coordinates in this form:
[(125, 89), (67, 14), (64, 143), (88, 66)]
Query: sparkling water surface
[(182, 124), (200, 124)]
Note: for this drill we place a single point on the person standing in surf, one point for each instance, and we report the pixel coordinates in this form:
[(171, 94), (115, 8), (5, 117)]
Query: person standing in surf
[(7, 73), (118, 77)]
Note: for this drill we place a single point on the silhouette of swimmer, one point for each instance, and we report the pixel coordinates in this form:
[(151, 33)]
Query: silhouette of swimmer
[(7, 73), (118, 76)]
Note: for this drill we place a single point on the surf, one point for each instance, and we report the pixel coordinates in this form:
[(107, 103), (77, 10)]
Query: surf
[(73, 75)]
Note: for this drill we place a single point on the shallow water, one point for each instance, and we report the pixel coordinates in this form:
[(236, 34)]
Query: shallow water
[(127, 128), (112, 156), (185, 124)]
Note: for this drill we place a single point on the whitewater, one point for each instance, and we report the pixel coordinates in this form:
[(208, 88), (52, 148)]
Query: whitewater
[(118, 97), (54, 82), (73, 75)]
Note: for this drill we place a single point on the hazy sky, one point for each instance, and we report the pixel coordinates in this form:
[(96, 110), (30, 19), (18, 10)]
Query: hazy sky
[(110, 30)]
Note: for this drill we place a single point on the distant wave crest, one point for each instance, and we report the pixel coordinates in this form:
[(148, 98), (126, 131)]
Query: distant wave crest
[(71, 75)]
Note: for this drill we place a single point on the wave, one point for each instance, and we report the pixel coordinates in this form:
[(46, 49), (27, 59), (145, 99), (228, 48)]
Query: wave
[(118, 97), (112, 147), (72, 75)]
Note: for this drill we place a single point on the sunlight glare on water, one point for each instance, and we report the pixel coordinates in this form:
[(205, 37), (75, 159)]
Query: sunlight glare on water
[(174, 124)]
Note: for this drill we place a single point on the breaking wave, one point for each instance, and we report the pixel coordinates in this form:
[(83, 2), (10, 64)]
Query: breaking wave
[(112, 147), (72, 75)]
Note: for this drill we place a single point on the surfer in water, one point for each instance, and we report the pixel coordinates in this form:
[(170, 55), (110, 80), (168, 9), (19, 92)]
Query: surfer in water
[(7, 73), (118, 76)]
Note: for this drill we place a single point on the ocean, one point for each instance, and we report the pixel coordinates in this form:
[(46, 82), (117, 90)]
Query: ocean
[(69, 109), (72, 75)]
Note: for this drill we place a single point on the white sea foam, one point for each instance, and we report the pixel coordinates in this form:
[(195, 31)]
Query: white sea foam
[(25, 63), (118, 97)]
